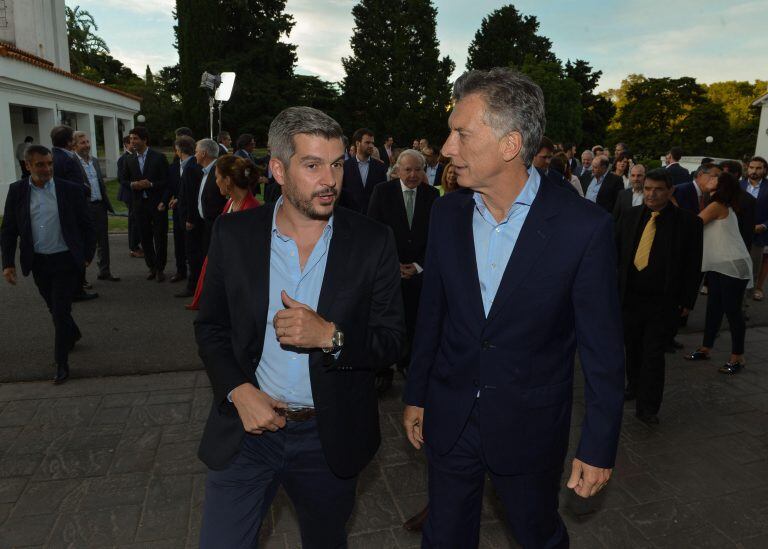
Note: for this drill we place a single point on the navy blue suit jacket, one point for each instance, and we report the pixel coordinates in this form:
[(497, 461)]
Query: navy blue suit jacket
[(687, 197), (75, 220), (355, 195), (761, 210), (678, 174), (559, 290), (67, 167)]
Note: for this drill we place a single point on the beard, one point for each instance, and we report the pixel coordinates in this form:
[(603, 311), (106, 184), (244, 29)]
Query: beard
[(304, 203)]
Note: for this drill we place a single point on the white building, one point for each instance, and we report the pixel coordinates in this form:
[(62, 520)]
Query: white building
[(761, 149), (37, 91)]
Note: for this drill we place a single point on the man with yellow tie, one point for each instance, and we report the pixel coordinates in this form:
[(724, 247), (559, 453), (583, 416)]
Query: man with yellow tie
[(660, 248)]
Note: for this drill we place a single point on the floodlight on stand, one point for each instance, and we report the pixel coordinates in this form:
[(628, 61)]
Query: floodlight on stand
[(210, 81), (226, 82)]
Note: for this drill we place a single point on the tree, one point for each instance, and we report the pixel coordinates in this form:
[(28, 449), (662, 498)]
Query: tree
[(743, 120), (562, 97), (505, 39), (244, 37), (596, 110), (396, 81), (83, 42)]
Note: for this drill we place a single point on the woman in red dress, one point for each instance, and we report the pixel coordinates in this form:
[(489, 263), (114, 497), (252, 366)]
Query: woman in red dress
[(235, 178)]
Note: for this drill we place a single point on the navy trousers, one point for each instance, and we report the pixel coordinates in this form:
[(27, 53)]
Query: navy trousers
[(456, 496), (238, 498)]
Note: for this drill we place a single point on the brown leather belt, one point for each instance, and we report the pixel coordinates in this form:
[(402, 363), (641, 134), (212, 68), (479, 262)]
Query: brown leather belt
[(296, 414)]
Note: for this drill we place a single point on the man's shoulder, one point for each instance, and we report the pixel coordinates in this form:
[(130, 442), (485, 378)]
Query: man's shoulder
[(359, 225)]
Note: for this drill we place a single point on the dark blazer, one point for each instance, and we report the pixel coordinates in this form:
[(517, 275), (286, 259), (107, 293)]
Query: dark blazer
[(388, 206), (76, 225), (439, 173), (761, 210), (189, 189), (102, 186), (678, 174), (213, 201), (746, 218), (687, 198), (609, 190), (623, 204), (683, 254), (385, 157), (354, 195), (558, 290), (360, 293), (67, 167), (124, 193), (155, 170)]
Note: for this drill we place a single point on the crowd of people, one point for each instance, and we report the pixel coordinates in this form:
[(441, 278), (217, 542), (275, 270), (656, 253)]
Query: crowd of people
[(462, 295)]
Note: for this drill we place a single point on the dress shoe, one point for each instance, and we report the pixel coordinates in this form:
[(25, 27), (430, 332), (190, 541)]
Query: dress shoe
[(185, 293), (415, 523), (87, 285), (177, 277), (62, 374), (109, 276), (85, 296), (649, 419), (151, 275), (136, 253), (697, 355), (160, 276), (731, 368)]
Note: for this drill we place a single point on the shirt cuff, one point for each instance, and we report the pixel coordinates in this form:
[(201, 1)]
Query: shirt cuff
[(229, 396), (419, 269)]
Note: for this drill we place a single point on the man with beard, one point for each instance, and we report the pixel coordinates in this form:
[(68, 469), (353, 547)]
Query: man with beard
[(757, 186), (361, 173), (301, 307)]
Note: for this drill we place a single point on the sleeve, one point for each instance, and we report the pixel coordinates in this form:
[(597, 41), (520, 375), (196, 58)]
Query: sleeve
[(9, 230), (693, 250), (85, 225), (600, 343)]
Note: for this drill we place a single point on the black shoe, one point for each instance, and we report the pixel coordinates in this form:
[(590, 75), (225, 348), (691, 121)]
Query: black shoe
[(151, 275), (649, 419), (697, 355), (177, 277), (629, 394), (85, 296), (185, 293), (62, 374), (731, 368), (109, 276), (160, 276)]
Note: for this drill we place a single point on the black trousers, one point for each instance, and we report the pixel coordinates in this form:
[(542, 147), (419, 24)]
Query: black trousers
[(179, 243), (648, 326), (238, 498), (725, 297), (456, 482), (134, 234), (57, 278), (153, 225), (100, 221), (195, 255), (411, 289)]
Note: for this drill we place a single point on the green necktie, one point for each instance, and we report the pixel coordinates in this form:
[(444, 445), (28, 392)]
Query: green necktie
[(409, 200)]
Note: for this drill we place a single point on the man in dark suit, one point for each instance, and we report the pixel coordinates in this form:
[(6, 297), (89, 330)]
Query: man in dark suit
[(190, 218), (387, 151), (404, 205), (660, 249), (48, 216), (65, 163), (570, 153), (184, 147), (433, 169), (756, 185), (147, 172), (585, 167), (518, 273), (361, 173), (125, 195), (633, 196), (676, 171), (225, 142), (99, 204), (600, 186), (301, 307), (208, 201)]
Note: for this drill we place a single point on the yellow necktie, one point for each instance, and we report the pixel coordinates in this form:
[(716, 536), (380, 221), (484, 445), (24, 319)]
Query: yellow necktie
[(646, 241)]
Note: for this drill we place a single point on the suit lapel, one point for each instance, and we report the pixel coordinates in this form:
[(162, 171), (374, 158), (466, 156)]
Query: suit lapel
[(398, 201), (467, 260), (257, 259), (336, 265), (25, 215), (530, 245)]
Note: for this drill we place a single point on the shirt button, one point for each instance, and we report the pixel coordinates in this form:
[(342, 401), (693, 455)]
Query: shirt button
[(493, 265), (498, 230)]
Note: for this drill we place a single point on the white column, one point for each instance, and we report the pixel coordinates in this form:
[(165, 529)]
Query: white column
[(86, 122), (112, 148), (761, 148), (47, 119), (7, 151)]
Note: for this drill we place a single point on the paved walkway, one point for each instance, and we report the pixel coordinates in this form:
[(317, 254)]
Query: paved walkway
[(111, 461)]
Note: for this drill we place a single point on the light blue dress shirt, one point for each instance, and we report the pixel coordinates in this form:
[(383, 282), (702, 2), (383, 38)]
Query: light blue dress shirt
[(93, 178), (47, 237), (594, 188), (142, 158), (363, 166), (282, 373), (495, 242)]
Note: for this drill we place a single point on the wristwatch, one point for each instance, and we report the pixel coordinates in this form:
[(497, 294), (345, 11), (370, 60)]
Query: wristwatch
[(337, 341)]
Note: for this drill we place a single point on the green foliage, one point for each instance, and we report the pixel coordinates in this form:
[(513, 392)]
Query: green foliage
[(240, 36), (395, 80), (507, 38), (562, 97), (83, 42), (743, 119), (596, 110)]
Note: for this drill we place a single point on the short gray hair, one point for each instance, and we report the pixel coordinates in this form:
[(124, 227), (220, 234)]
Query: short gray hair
[(209, 147), (414, 154), (299, 121), (513, 103), (588, 151), (78, 134)]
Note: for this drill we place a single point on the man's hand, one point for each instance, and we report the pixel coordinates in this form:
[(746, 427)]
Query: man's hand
[(684, 312), (257, 409), (587, 480), (173, 202), (161, 207), (413, 421), (759, 229), (408, 270), (9, 274), (299, 326), (189, 226)]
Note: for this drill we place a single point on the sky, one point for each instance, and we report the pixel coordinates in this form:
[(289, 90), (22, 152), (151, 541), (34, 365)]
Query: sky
[(711, 40)]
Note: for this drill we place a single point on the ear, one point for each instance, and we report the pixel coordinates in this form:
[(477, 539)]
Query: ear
[(278, 170), (511, 145)]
